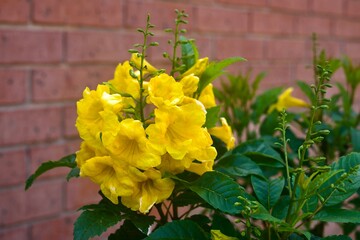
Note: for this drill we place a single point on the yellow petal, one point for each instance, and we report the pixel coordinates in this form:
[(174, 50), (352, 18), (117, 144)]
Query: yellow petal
[(147, 67), (224, 133), (285, 101), (190, 84), (198, 68), (207, 97)]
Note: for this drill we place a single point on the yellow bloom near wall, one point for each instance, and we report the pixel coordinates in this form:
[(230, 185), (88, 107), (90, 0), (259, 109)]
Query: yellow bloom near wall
[(190, 84), (147, 67), (285, 101), (198, 68), (207, 97), (224, 133)]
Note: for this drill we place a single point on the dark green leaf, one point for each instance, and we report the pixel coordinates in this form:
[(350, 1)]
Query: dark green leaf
[(237, 165), (218, 190), (263, 102), (338, 215), (187, 198), (142, 222), (268, 191), (307, 90), (179, 230), (260, 152), (269, 124), (94, 222), (262, 214), (337, 237), (222, 223), (189, 53), (74, 172), (68, 161), (128, 230), (212, 116), (281, 207), (214, 70), (355, 139)]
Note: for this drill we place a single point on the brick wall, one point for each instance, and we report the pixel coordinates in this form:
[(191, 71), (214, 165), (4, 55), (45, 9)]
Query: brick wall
[(51, 49)]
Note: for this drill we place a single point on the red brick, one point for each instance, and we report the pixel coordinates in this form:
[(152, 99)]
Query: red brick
[(349, 29), (323, 6), (295, 5), (304, 72), (245, 2), (40, 200), (332, 48), (101, 13), (308, 25), (81, 192), (352, 49), (277, 75), (54, 229), (353, 8), (99, 46), (41, 154), (13, 167), (54, 84), (14, 11), (162, 14), (70, 118), (12, 86), (231, 47), (274, 23), (217, 19), (286, 49), (30, 125), (30, 46), (19, 233)]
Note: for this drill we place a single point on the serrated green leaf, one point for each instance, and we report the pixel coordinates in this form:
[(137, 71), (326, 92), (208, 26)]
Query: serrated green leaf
[(68, 161), (212, 116), (268, 191), (214, 70), (94, 222), (338, 215), (237, 165), (219, 190), (260, 152), (179, 230)]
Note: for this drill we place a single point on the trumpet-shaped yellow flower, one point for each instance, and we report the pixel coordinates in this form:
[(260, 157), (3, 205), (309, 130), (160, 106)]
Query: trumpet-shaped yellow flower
[(147, 67), (198, 68), (123, 82), (172, 165), (224, 133), (149, 192), (285, 101), (207, 96), (111, 175), (178, 129), (201, 167), (190, 84), (164, 90), (126, 141)]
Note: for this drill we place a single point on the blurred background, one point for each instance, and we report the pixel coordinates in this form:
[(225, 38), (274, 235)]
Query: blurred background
[(50, 50)]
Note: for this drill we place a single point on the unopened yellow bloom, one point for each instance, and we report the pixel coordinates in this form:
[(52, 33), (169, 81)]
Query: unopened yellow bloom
[(285, 101), (224, 133), (123, 82), (126, 141), (152, 190), (147, 67), (178, 129), (164, 90), (190, 84), (111, 175), (207, 96), (198, 68)]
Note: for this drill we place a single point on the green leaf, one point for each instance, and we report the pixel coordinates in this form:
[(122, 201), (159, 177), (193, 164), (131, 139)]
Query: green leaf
[(219, 190), (218, 235), (355, 139), (74, 172), (179, 230), (338, 215), (307, 90), (129, 230), (237, 165), (214, 70), (268, 191), (260, 152), (262, 214), (263, 102), (281, 207), (347, 163), (212, 116), (222, 223), (68, 161), (189, 53), (94, 222), (337, 237)]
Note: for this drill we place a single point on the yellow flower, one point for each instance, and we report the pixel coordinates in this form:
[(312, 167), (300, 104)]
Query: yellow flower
[(190, 84), (147, 67), (123, 82), (164, 90), (126, 141), (207, 96), (198, 68), (217, 235), (178, 129), (172, 165), (285, 101), (224, 133), (111, 175), (152, 190)]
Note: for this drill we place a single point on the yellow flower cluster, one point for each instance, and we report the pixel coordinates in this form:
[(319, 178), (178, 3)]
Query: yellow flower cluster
[(128, 155)]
